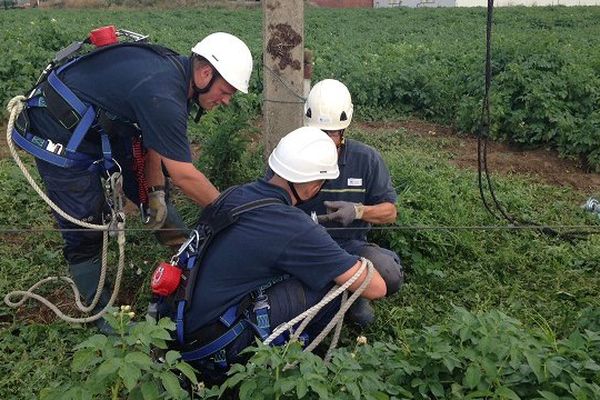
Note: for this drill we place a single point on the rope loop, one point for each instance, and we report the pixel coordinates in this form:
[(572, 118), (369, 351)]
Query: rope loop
[(15, 106), (337, 320)]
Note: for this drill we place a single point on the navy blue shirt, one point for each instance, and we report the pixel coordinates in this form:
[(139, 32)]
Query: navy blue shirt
[(364, 178), (137, 85), (263, 245)]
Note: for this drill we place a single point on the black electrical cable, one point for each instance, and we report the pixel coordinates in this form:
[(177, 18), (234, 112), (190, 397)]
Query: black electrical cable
[(590, 229), (482, 142)]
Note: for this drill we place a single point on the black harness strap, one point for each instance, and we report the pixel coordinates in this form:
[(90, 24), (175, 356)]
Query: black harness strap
[(212, 221)]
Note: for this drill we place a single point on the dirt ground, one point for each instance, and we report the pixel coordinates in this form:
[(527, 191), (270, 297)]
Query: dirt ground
[(542, 164)]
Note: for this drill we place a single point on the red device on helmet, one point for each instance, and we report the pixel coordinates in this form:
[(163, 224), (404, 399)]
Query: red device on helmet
[(104, 36), (165, 279)]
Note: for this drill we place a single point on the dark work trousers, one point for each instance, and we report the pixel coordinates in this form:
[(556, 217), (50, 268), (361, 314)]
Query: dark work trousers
[(80, 194), (287, 300), (385, 261)]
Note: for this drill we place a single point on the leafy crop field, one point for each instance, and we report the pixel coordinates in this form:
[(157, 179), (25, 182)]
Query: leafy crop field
[(501, 313), (427, 63)]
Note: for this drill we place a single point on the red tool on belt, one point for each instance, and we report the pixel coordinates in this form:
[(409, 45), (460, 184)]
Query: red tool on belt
[(165, 279)]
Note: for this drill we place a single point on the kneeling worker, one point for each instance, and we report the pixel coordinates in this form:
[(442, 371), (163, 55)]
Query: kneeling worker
[(274, 253), (361, 195)]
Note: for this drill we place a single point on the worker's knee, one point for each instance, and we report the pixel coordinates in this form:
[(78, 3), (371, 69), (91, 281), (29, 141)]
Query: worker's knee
[(387, 263)]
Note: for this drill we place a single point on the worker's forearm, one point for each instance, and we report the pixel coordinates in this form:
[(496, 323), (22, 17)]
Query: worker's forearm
[(153, 169), (383, 213), (196, 186), (374, 290)]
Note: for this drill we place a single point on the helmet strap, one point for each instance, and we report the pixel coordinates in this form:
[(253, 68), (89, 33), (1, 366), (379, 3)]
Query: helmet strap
[(295, 193), (297, 196), (198, 91)]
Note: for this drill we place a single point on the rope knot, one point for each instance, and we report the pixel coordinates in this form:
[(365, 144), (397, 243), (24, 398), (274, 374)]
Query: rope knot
[(17, 103)]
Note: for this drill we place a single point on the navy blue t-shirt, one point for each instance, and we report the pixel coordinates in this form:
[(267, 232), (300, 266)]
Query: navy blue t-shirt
[(263, 245), (364, 178), (137, 85)]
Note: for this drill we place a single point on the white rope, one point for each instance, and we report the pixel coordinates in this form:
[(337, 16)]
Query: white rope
[(338, 318), (14, 107)]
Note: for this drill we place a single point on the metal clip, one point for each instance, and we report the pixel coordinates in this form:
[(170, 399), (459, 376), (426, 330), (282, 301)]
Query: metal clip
[(136, 37), (144, 214), (261, 302), (313, 216), (194, 237), (55, 148)]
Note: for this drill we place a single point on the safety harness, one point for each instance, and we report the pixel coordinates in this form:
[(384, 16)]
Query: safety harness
[(85, 122), (187, 262)]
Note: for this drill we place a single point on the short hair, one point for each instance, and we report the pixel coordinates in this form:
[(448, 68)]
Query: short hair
[(200, 62)]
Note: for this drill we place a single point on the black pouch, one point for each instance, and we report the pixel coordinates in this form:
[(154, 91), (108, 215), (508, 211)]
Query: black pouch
[(22, 122), (60, 110)]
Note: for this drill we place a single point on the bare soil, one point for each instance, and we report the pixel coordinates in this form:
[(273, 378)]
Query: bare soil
[(543, 164)]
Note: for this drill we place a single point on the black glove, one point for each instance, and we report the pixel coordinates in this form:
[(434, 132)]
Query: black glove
[(343, 212)]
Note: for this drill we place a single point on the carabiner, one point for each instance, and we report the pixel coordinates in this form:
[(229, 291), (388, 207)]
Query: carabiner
[(194, 237), (144, 214)]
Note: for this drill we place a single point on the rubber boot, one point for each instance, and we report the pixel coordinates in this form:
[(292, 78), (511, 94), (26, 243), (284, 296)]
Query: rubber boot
[(86, 275), (361, 312), (174, 231)]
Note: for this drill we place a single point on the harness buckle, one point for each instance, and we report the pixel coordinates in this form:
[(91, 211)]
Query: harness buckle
[(55, 148), (261, 303)]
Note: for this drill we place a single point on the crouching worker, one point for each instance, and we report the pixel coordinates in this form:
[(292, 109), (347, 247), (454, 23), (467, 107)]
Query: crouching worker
[(362, 195), (265, 262)]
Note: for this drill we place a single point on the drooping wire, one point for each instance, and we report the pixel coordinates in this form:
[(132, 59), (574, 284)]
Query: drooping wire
[(484, 130), (482, 143)]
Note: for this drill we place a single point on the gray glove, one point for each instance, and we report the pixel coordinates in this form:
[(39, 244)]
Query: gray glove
[(343, 212), (157, 209)]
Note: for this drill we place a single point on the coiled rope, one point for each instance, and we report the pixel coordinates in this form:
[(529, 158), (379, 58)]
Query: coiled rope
[(14, 107), (337, 320)]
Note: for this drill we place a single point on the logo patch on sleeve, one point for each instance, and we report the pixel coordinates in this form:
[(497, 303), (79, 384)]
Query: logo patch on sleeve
[(354, 181)]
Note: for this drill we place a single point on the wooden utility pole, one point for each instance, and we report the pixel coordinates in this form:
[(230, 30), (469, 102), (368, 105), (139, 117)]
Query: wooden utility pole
[(283, 72)]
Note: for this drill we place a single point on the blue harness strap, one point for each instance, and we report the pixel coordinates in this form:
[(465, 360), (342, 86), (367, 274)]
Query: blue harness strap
[(56, 153), (79, 117), (38, 146), (66, 93), (212, 222), (182, 305), (216, 345)]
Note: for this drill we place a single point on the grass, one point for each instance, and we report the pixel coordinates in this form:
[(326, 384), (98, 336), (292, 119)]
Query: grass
[(545, 282), (536, 278)]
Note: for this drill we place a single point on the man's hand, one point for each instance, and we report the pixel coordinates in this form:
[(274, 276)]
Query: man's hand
[(343, 212), (157, 209)]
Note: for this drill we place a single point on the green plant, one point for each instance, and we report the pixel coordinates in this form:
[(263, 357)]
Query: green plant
[(469, 356), (228, 156), (121, 366), (288, 372)]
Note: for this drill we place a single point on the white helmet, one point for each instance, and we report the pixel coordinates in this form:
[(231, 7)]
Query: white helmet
[(329, 106), (305, 155), (229, 56)]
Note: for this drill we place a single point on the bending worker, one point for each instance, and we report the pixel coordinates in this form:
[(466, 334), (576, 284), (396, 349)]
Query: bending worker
[(136, 91), (362, 195), (273, 259)]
